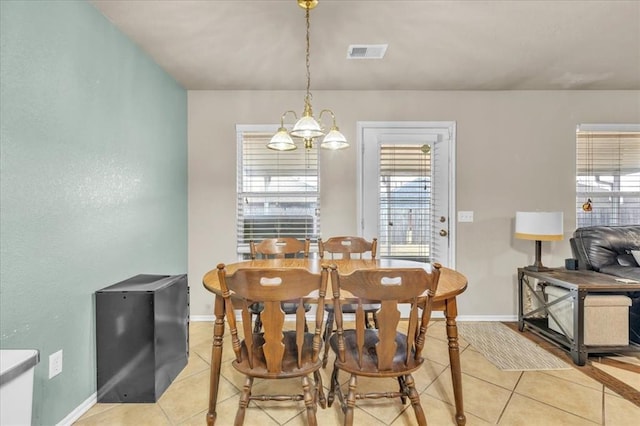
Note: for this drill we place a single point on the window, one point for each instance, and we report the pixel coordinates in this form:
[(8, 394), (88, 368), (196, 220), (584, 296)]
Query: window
[(278, 191), (607, 175)]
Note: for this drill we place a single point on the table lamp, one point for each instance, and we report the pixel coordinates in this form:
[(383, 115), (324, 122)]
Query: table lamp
[(538, 226)]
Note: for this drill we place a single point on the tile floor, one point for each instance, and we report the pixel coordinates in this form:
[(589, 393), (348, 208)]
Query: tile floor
[(491, 396)]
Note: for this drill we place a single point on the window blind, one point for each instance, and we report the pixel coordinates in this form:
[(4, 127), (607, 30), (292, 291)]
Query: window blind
[(278, 191), (607, 176), (405, 201)]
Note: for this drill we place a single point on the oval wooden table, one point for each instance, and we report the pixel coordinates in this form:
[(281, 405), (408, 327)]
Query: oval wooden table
[(451, 284)]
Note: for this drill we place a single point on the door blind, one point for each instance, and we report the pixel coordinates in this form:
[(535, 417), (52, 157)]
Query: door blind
[(278, 191), (607, 177), (405, 201)]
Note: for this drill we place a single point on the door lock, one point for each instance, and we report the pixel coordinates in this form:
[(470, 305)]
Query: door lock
[(443, 233)]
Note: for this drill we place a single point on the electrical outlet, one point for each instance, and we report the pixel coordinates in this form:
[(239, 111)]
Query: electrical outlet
[(55, 363), (465, 216)]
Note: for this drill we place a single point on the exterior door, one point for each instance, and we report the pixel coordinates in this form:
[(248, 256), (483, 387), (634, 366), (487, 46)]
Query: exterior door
[(406, 189)]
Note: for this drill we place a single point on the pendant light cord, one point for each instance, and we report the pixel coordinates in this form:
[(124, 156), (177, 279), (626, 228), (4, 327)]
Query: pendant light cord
[(308, 58)]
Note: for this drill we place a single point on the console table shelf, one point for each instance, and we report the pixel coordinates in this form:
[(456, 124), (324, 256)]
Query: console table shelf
[(578, 284)]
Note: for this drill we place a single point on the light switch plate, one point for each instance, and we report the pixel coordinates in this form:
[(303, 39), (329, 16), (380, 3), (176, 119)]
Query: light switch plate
[(465, 216)]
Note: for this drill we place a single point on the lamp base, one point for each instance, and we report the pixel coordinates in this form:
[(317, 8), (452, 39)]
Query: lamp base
[(537, 264), (535, 268)]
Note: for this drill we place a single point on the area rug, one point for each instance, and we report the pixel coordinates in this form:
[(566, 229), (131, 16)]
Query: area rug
[(506, 349)]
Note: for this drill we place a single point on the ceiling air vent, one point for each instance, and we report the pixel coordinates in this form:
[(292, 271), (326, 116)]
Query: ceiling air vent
[(366, 51)]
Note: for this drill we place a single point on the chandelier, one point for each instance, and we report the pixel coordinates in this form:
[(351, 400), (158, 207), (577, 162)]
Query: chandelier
[(307, 127)]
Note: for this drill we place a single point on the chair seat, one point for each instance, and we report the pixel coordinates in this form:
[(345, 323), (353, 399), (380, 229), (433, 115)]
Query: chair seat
[(289, 359), (351, 308), (370, 358), (292, 307), (287, 307)]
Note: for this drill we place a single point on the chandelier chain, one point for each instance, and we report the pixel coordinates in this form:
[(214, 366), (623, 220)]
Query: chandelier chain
[(308, 56)]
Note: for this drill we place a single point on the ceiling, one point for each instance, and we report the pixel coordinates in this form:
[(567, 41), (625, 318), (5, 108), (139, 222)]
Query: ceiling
[(433, 45)]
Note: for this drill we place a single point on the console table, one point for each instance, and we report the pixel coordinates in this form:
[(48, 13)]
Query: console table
[(578, 284)]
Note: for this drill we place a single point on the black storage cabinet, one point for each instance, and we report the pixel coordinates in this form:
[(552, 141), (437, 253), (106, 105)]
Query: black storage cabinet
[(142, 336)]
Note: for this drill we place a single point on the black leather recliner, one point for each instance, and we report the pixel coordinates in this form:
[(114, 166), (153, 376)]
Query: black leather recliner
[(607, 249)]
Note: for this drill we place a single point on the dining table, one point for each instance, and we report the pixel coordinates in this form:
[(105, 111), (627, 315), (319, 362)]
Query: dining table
[(450, 285)]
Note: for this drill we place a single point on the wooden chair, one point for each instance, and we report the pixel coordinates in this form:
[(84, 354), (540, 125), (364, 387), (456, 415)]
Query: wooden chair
[(276, 353), (345, 248), (383, 352), (278, 248)]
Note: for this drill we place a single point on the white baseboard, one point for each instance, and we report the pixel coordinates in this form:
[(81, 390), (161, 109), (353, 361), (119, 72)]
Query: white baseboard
[(435, 315), (485, 318), (202, 318), (79, 411)]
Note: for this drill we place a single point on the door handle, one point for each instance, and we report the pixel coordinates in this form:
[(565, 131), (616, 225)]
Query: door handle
[(443, 233)]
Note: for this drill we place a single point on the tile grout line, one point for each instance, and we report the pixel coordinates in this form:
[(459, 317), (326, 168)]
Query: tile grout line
[(510, 398), (165, 414), (603, 422), (557, 408)]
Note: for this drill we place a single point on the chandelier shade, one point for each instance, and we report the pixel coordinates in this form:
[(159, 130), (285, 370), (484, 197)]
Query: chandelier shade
[(334, 140), (281, 141), (307, 127)]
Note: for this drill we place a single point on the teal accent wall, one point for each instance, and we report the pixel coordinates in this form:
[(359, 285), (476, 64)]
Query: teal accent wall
[(93, 183)]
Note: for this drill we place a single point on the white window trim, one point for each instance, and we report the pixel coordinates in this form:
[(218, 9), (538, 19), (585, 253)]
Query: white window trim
[(451, 126)]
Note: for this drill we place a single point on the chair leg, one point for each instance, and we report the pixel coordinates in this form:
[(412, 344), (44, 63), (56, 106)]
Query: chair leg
[(327, 335), (351, 401), (415, 400), (367, 324), (333, 386), (257, 325), (244, 401), (320, 389), (403, 390), (309, 402)]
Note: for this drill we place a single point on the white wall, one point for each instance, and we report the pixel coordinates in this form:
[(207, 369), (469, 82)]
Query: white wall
[(515, 151)]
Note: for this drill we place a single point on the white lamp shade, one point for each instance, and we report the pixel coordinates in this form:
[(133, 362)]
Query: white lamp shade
[(281, 141), (539, 226), (307, 127), (334, 140)]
